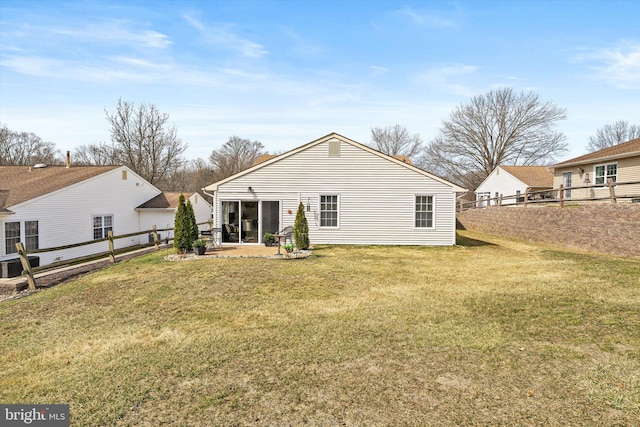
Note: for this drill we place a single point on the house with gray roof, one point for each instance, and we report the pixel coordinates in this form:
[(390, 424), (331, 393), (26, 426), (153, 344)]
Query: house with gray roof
[(51, 206), (350, 193)]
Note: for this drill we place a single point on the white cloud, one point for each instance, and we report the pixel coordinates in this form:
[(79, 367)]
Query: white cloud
[(222, 36), (618, 66), (377, 70), (115, 31), (425, 19), (194, 22), (448, 78), (137, 62)]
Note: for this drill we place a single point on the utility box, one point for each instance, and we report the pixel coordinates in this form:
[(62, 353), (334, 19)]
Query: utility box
[(13, 267)]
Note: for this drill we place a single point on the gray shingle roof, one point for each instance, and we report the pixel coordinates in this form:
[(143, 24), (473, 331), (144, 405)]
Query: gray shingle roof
[(21, 183)]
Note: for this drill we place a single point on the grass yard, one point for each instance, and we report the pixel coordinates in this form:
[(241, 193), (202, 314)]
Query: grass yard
[(492, 332)]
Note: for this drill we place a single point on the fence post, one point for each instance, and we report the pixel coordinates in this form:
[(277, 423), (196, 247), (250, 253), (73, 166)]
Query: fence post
[(612, 191), (500, 200), (526, 196), (26, 265), (156, 238), (561, 195), (112, 254)]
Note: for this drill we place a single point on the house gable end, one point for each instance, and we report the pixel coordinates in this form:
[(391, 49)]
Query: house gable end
[(329, 140)]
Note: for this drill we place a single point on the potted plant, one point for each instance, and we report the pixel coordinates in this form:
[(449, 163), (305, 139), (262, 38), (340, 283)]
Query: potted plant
[(268, 239), (199, 246), (289, 248)]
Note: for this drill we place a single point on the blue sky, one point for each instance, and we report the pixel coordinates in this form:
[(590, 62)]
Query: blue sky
[(288, 72)]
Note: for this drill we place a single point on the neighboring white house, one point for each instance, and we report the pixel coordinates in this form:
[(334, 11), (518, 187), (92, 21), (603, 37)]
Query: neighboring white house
[(512, 181), (351, 193), (46, 207), (161, 211)]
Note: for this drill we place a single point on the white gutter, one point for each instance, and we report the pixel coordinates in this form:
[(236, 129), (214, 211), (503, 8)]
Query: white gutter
[(213, 205)]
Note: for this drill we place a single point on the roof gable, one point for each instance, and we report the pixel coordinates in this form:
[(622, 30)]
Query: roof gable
[(625, 149), (21, 183), (165, 200), (331, 136)]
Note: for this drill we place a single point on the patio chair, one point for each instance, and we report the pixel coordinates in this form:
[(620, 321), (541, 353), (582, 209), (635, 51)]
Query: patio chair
[(285, 234), (230, 233)]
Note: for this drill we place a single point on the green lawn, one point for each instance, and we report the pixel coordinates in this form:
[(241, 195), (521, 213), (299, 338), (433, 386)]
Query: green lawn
[(491, 332)]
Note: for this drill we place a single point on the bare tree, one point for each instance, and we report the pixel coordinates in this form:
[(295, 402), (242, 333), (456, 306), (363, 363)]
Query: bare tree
[(100, 154), (610, 135), (144, 142), (234, 156), (499, 127), (192, 176), (396, 141), (25, 148)]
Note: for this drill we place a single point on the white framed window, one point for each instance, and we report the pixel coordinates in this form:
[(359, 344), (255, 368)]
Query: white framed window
[(329, 209), (17, 231), (102, 224), (31, 235), (604, 172), (11, 237), (424, 211)]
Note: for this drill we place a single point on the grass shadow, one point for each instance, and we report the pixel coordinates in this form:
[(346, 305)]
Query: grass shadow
[(469, 242)]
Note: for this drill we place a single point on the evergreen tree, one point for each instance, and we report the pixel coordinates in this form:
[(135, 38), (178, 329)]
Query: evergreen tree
[(301, 229), (193, 224), (182, 228)]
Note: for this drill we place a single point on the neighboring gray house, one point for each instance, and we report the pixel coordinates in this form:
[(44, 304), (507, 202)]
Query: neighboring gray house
[(351, 193)]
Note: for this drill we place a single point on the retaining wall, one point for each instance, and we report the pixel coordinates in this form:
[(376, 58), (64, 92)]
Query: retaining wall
[(606, 228)]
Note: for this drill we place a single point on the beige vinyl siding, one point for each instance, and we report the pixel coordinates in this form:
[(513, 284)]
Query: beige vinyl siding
[(628, 171), (377, 196)]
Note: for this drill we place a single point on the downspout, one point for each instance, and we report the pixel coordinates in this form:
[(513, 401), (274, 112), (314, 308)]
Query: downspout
[(213, 206)]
